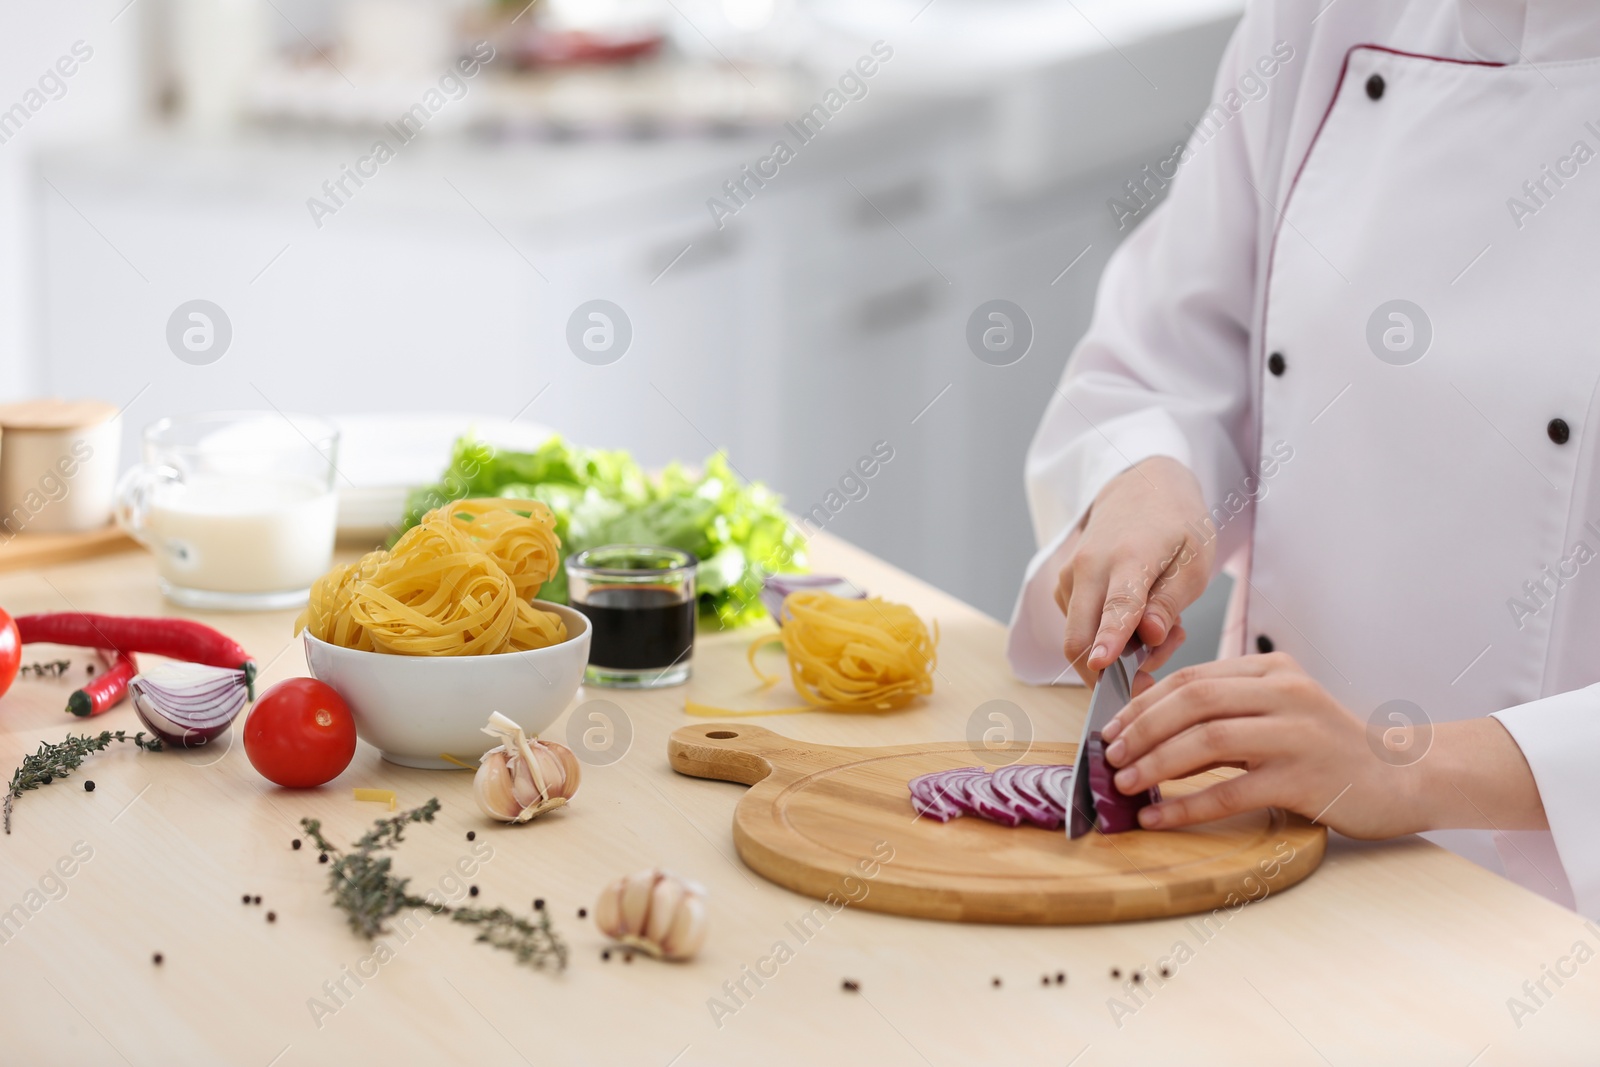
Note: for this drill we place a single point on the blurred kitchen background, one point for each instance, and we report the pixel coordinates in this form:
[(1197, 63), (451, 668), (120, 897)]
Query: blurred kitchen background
[(823, 312)]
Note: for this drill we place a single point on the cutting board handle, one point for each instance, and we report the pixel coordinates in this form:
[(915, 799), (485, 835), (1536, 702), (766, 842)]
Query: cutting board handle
[(739, 752)]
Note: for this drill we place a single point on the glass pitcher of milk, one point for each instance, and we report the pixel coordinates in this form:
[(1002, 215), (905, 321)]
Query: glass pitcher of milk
[(238, 507)]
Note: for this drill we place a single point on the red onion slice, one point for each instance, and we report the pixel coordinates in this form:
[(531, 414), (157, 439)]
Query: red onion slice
[(989, 804), (1011, 785), (1029, 792)]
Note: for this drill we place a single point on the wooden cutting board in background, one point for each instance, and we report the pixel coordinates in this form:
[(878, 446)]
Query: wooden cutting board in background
[(825, 820), (26, 551)]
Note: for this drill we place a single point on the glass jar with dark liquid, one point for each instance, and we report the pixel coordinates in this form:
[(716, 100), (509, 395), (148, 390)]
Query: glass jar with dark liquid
[(640, 602)]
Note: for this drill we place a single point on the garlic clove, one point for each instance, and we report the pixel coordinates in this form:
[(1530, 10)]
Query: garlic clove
[(569, 768), (636, 900), (688, 930), (491, 787), (608, 909), (664, 899), (523, 785)]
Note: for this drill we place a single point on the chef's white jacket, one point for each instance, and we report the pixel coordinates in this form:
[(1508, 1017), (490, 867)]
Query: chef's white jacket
[(1362, 317)]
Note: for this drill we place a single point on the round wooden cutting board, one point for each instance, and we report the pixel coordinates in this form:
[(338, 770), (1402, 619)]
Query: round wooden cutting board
[(824, 820)]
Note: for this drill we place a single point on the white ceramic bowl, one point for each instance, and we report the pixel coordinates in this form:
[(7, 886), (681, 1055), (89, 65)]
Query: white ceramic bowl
[(415, 709)]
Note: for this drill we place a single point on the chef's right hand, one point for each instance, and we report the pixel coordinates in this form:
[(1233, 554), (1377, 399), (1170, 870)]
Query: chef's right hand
[(1141, 559)]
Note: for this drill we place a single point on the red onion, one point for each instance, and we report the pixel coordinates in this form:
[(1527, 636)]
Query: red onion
[(1115, 811), (1056, 786), (943, 795), (188, 704), (778, 586), (1018, 784), (1023, 792)]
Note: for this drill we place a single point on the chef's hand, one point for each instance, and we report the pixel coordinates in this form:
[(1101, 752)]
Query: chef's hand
[(1303, 751), (1138, 564)]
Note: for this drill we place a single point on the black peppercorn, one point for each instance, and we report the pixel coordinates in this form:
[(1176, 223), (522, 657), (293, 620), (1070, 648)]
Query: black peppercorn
[(295, 844), (1138, 977), (322, 858), (852, 986), (257, 900), (472, 835), (1165, 973), (1116, 972), (47, 779), (1045, 980), (1061, 978), (538, 903), (472, 891), (272, 916), (583, 913), (156, 959), (88, 787), (605, 954), (995, 982), (247, 898)]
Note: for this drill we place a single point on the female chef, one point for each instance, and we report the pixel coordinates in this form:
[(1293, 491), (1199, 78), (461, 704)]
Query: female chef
[(1352, 356)]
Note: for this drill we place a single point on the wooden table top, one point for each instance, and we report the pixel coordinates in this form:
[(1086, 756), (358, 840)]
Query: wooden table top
[(1391, 953)]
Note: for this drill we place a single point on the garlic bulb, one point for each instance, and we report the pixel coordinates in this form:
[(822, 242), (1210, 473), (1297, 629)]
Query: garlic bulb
[(521, 779), (656, 912)]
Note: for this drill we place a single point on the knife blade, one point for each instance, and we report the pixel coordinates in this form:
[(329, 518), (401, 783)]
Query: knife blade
[(1111, 694)]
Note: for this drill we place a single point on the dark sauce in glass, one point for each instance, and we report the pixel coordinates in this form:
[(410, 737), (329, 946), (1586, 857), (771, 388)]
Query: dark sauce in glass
[(638, 627)]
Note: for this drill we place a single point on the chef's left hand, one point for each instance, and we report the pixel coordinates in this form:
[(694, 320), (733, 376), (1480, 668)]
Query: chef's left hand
[(1300, 749)]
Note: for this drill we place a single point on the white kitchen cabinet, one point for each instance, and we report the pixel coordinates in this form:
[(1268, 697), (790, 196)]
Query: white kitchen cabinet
[(828, 314)]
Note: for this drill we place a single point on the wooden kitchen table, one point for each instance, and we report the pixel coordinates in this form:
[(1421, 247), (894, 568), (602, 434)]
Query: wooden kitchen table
[(1391, 953)]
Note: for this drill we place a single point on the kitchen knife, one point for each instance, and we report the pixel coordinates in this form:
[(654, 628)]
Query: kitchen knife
[(1111, 694)]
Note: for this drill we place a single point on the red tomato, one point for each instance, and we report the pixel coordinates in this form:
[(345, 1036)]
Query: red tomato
[(10, 652), (300, 734)]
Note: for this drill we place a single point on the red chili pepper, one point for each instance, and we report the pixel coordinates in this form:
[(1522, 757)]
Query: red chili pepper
[(108, 688), (182, 639)]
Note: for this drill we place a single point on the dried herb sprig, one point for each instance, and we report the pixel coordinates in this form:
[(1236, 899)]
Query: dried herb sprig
[(361, 883), (54, 761), (366, 889), (535, 943)]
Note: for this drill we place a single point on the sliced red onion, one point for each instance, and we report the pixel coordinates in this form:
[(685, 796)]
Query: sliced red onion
[(1056, 786), (1013, 784), (989, 804), (188, 704), (942, 795), (1035, 793), (778, 586)]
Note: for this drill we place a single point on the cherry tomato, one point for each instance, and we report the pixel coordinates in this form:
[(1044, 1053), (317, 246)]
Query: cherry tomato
[(10, 652), (300, 734)]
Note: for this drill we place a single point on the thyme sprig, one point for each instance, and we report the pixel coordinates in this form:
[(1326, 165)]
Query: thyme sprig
[(54, 761), (535, 943), (365, 887)]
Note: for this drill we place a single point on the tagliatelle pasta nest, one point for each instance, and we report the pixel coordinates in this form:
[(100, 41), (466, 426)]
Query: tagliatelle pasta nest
[(456, 584), (855, 654)]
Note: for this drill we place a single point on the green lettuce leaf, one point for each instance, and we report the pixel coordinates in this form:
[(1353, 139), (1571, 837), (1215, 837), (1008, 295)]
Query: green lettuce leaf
[(737, 530)]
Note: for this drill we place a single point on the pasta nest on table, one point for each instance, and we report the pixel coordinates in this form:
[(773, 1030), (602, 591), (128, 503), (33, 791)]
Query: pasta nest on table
[(856, 654), (456, 584)]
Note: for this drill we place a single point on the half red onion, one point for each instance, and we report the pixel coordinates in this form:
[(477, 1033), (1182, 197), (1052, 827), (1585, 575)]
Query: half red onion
[(778, 586), (1114, 811), (188, 704)]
